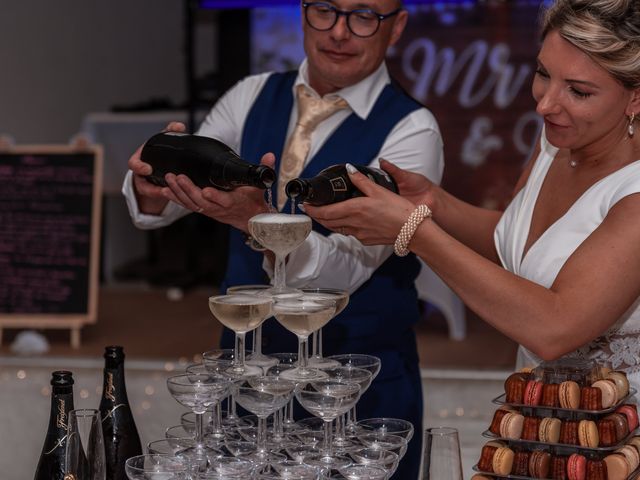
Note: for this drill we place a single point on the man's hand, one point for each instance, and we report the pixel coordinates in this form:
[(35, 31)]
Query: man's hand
[(151, 198), (234, 208)]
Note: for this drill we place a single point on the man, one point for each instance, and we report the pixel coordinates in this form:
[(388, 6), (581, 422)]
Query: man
[(345, 42)]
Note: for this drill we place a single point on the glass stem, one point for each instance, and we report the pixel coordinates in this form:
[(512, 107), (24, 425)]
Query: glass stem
[(303, 352), (340, 428), (279, 281), (319, 349), (314, 344), (262, 436), (239, 353), (328, 440), (199, 430), (216, 422), (231, 411), (290, 420), (257, 341), (278, 424)]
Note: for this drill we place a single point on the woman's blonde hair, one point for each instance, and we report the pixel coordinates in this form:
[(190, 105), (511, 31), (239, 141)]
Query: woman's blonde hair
[(606, 30)]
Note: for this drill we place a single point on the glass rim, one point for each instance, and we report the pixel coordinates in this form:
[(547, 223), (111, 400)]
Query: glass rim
[(441, 431), (260, 299), (84, 412)]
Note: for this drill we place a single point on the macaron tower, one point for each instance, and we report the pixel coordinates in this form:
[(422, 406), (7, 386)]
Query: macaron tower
[(568, 419)]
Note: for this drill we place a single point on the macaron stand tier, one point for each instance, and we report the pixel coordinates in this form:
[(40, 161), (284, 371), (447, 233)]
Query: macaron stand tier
[(568, 419)]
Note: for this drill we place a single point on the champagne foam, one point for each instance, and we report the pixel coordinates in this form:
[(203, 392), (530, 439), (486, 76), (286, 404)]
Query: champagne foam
[(280, 218)]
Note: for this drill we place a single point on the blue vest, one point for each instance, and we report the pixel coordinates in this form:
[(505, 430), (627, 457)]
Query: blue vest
[(380, 314)]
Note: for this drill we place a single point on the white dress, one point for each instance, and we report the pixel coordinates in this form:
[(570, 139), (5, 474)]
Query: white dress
[(619, 347)]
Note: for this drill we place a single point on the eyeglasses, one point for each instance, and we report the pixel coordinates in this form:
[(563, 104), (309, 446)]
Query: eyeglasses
[(362, 22)]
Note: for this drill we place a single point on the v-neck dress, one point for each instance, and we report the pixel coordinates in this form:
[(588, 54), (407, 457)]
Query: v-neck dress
[(619, 347)]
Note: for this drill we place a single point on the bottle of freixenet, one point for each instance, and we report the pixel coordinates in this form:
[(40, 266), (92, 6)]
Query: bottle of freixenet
[(333, 185), (206, 161), (121, 439), (51, 465)]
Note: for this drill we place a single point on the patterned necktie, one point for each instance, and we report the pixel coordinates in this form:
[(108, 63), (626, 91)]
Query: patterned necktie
[(311, 111)]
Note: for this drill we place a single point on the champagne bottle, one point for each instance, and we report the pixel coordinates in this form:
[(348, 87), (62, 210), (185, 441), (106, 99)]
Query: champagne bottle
[(121, 439), (206, 161), (51, 465), (333, 185)]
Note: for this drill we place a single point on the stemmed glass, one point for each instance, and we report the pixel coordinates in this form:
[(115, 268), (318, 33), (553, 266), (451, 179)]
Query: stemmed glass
[(354, 375), (198, 392), (328, 399), (166, 467), (341, 298), (263, 396), (302, 316), (218, 361), (358, 360), (215, 432), (257, 358), (241, 313), (84, 454), (281, 233)]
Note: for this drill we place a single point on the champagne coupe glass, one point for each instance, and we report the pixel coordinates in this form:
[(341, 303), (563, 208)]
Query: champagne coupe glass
[(198, 392), (286, 360), (215, 433), (281, 233), (376, 456), (328, 399), (84, 454), (218, 361), (347, 374), (166, 467), (301, 316), (257, 358), (441, 455), (358, 360), (241, 313), (363, 472), (263, 396), (341, 298), (395, 426)]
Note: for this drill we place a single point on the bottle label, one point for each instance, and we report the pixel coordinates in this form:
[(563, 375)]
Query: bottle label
[(110, 388), (110, 412), (339, 184), (61, 419)]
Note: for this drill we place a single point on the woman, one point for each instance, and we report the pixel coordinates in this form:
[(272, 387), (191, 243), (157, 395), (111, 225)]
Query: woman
[(559, 270)]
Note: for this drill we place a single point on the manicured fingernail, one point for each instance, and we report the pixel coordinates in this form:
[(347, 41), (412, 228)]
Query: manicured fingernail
[(301, 208), (351, 169)]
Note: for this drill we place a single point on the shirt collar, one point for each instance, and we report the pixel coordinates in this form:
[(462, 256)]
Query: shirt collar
[(361, 96)]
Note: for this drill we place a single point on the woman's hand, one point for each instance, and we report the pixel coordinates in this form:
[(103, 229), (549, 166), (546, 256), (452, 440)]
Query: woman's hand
[(374, 219), (414, 187)]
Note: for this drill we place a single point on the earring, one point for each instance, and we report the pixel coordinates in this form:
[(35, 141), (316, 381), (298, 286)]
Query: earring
[(631, 129)]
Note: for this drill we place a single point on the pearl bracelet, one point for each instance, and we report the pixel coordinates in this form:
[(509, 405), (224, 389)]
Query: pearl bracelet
[(401, 247)]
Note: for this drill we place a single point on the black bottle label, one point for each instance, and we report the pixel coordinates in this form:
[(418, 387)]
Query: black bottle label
[(339, 184)]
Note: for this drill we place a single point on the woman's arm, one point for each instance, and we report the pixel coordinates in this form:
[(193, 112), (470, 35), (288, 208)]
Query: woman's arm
[(594, 288)]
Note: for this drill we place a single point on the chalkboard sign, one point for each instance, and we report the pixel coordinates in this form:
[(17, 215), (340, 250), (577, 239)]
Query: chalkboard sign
[(50, 206)]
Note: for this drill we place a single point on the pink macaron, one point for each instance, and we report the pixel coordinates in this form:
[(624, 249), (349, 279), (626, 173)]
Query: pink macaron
[(576, 467)]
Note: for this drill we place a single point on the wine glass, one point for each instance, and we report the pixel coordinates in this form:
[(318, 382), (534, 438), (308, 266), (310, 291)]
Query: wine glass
[(441, 454), (301, 316), (341, 298), (281, 233), (263, 396), (257, 358), (84, 454), (165, 467), (198, 392), (241, 313), (327, 399)]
